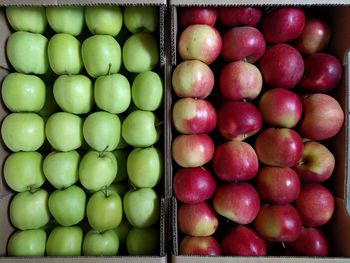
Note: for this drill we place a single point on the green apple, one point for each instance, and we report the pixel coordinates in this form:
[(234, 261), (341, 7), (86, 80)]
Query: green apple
[(140, 128), (27, 243), (141, 18), (147, 91), (104, 19), (101, 55), (100, 243), (104, 210), (101, 131), (122, 232), (27, 52), (50, 105), (23, 171), (67, 206), (61, 169), (65, 241), (97, 170), (21, 92), (121, 157), (64, 131), (141, 207), (119, 188), (66, 19), (29, 209), (27, 18), (74, 93), (64, 54), (143, 241), (112, 93), (140, 52), (23, 131)]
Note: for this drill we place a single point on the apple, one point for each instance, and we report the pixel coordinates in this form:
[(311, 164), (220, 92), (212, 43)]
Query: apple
[(280, 107), (238, 120), (323, 73), (235, 161), (64, 241), (66, 19), (29, 209), (74, 93), (122, 231), (140, 52), (232, 16), (287, 148), (104, 19), (192, 150), (143, 241), (101, 55), (323, 117), (282, 66), (29, 18), (283, 24), (190, 15), (243, 241), (112, 93), (121, 157), (202, 42), (243, 43), (139, 18), (64, 131), (192, 78), (199, 246), (23, 131), (50, 105), (27, 52), (240, 80), (27, 243), (100, 243), (120, 188), (197, 220), (193, 185), (193, 116), (315, 204), (21, 92)]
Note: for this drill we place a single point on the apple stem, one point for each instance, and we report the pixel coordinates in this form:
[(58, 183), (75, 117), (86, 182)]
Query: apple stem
[(203, 168), (159, 123), (105, 191), (109, 69), (103, 151), (283, 245), (31, 189)]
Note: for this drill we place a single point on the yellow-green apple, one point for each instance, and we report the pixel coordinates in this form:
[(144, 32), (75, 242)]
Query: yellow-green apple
[(190, 15), (199, 246), (192, 150), (98, 243), (197, 219), (141, 18), (27, 243), (122, 231), (27, 18), (235, 161), (143, 241), (202, 42), (232, 16), (120, 188), (64, 241)]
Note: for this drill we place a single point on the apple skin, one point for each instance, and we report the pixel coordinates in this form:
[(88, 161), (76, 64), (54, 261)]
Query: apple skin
[(278, 185), (143, 241), (27, 243), (202, 42), (287, 150), (242, 241), (283, 24), (192, 78), (240, 16), (235, 161), (315, 205), (121, 157), (193, 185), (243, 43), (29, 18), (141, 18), (240, 80), (197, 220), (199, 246), (100, 244), (323, 117), (65, 241), (192, 150), (238, 120), (323, 73), (191, 15)]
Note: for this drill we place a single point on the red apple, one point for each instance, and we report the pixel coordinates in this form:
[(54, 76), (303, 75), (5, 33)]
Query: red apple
[(322, 118), (238, 120), (317, 164), (281, 147), (283, 24), (197, 219), (323, 73), (280, 107), (193, 116), (240, 16), (193, 185), (199, 246), (240, 80), (238, 202), (202, 42), (192, 78), (315, 205), (192, 150), (280, 223), (197, 15), (282, 66), (242, 241), (243, 43), (235, 161), (278, 185)]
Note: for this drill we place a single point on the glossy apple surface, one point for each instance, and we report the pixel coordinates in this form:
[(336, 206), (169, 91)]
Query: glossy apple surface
[(65, 241), (199, 246), (29, 18), (240, 15), (141, 18), (27, 243), (191, 15)]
